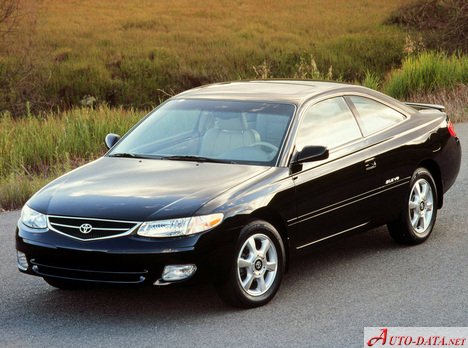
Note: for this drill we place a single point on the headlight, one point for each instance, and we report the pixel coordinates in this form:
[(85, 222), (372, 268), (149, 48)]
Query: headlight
[(180, 227), (32, 218)]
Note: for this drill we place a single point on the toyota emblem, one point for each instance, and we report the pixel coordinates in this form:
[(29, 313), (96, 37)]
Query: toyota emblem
[(86, 228)]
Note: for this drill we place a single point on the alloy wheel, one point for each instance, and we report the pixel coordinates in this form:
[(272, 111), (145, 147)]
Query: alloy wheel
[(257, 264), (421, 206)]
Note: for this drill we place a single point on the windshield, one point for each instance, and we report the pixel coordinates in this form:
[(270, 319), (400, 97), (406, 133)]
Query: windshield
[(210, 130)]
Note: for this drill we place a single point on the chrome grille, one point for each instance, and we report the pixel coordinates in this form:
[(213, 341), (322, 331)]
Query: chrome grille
[(90, 228)]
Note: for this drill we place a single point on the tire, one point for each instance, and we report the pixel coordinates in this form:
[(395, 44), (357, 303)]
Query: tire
[(255, 276), (63, 284), (419, 213)]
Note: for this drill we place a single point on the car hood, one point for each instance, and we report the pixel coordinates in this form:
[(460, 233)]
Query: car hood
[(139, 189)]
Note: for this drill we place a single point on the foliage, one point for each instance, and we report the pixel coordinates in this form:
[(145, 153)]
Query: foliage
[(440, 24), (103, 63), (455, 101), (80, 49), (40, 148), (371, 80), (427, 72)]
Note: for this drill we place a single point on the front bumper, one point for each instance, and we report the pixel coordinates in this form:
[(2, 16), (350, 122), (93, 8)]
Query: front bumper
[(125, 260)]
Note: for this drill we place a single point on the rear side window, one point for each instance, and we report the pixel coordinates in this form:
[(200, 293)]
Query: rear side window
[(328, 123), (374, 116)]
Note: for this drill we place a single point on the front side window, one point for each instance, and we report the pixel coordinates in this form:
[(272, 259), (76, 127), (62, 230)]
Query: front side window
[(328, 123), (374, 116), (217, 130)]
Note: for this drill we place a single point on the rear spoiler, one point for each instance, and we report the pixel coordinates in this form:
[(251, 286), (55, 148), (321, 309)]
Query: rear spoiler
[(419, 106)]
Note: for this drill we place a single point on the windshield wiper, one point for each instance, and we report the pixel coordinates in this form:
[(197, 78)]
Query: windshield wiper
[(130, 155), (196, 159)]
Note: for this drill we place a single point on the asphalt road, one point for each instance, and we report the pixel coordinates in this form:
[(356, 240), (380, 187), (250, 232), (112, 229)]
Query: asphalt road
[(326, 299)]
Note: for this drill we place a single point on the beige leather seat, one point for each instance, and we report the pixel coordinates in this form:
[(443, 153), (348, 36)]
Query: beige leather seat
[(230, 132)]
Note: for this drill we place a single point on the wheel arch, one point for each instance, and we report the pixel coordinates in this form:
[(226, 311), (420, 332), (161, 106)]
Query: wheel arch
[(274, 218), (434, 169)]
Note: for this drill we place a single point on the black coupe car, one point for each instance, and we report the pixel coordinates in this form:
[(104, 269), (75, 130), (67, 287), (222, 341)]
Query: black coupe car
[(228, 182)]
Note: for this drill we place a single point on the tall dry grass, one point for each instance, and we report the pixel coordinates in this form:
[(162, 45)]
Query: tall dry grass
[(133, 53), (455, 101), (34, 150)]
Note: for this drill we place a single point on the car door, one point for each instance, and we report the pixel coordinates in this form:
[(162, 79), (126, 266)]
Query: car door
[(383, 128), (336, 195)]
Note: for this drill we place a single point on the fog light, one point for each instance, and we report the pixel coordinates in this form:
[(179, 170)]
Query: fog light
[(174, 273), (22, 261)]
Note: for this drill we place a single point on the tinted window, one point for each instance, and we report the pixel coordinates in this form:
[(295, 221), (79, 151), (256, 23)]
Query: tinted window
[(187, 121), (328, 123), (239, 131), (374, 116)]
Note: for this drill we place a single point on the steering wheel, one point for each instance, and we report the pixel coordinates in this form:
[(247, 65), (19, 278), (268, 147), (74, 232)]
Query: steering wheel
[(270, 146)]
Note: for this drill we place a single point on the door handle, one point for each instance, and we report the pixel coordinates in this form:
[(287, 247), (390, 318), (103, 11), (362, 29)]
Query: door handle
[(370, 164)]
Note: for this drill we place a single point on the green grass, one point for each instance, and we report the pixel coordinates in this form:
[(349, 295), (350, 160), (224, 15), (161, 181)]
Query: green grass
[(18, 188), (427, 72), (371, 80), (34, 144), (34, 150), (136, 53)]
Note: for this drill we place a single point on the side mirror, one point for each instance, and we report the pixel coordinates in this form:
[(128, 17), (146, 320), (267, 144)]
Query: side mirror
[(111, 139), (311, 154)]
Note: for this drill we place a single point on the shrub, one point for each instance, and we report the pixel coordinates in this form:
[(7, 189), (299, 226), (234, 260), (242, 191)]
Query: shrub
[(443, 23), (427, 72)]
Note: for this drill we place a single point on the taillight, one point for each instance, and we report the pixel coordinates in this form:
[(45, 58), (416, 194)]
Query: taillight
[(451, 129)]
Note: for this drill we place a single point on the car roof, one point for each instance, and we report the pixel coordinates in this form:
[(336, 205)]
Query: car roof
[(290, 91)]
